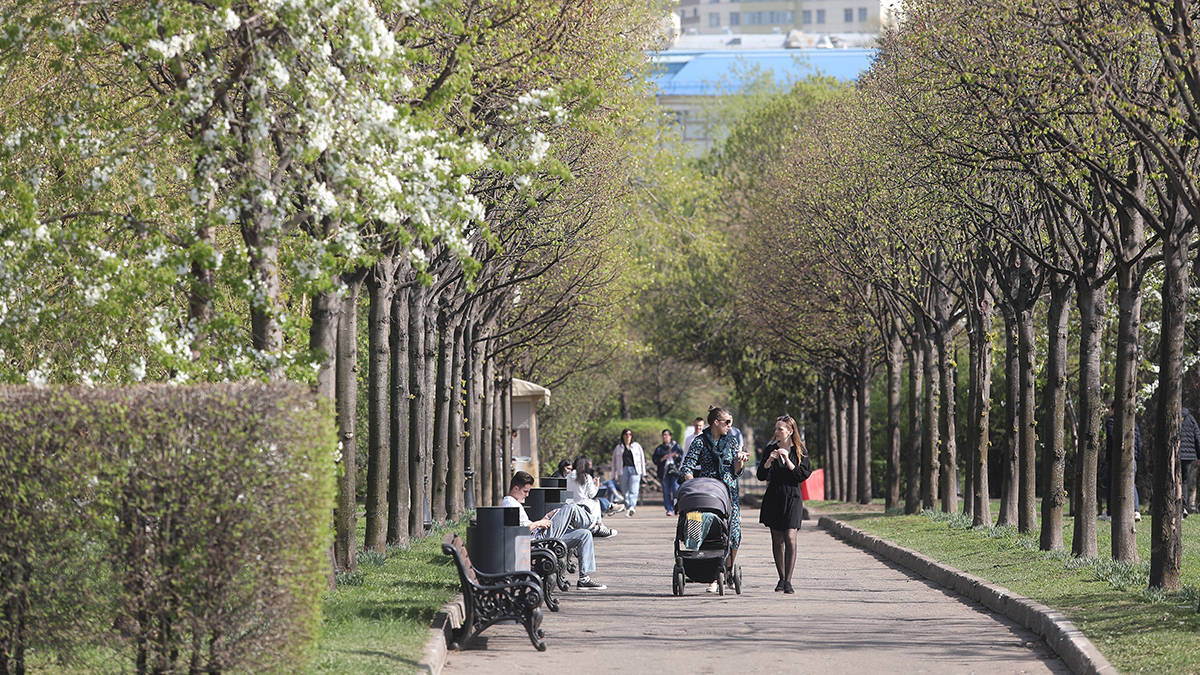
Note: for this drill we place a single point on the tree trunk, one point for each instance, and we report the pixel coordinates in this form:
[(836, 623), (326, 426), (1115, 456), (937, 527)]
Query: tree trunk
[(454, 439), (843, 432), (1054, 400), (947, 428), (895, 367), (865, 371), (969, 458), (490, 476), (930, 441), (1027, 445), (441, 417), (1121, 462), (399, 482), (474, 422), (981, 376), (831, 440), (418, 469), (1090, 298), (260, 234), (912, 493), (1166, 544), (325, 314), (1010, 464), (347, 408), (852, 432), (506, 427), (381, 285)]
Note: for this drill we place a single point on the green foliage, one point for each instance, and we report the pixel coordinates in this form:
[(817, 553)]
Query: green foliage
[(599, 442), (181, 525)]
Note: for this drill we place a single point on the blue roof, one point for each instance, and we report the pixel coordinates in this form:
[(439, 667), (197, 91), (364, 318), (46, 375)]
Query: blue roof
[(708, 73)]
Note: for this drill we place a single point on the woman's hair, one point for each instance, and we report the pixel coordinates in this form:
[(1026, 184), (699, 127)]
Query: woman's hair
[(583, 466), (564, 465), (714, 412), (627, 431), (797, 442)]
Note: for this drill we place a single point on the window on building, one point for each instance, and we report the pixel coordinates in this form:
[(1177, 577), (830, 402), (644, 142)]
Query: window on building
[(806, 15), (714, 19), (735, 19), (862, 14), (820, 16), (753, 18), (848, 15), (696, 12), (713, 2)]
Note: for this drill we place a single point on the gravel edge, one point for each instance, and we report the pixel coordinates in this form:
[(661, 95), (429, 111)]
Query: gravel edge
[(1063, 637)]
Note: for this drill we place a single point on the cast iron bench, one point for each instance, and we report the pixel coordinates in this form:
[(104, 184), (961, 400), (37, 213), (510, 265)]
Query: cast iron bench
[(491, 598), (551, 562)]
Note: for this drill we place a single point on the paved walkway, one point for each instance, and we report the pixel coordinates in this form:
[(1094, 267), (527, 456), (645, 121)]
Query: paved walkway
[(853, 612)]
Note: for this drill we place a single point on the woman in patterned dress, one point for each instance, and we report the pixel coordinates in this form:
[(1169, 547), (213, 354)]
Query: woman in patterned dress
[(715, 454)]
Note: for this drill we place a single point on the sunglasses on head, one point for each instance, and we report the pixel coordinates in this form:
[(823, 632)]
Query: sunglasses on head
[(783, 418)]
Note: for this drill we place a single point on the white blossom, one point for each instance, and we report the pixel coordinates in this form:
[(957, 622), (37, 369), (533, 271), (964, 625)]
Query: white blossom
[(227, 20)]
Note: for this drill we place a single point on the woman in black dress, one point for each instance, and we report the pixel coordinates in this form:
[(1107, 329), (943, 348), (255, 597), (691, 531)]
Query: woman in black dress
[(784, 465)]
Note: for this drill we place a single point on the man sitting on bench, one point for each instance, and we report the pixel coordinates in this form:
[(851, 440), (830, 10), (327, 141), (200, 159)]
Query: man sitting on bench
[(567, 523)]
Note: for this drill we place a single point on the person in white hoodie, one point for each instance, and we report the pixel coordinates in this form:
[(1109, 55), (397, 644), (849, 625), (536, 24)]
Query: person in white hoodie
[(586, 486), (628, 465)]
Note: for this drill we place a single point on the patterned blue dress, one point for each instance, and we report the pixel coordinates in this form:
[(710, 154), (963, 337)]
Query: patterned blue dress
[(707, 458)]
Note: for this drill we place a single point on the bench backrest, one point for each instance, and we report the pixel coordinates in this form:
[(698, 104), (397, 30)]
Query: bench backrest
[(453, 544)]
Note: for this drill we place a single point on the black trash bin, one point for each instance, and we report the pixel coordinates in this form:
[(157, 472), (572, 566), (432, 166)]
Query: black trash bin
[(497, 541), (542, 501)]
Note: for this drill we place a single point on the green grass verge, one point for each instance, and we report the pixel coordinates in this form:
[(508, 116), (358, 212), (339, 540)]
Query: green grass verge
[(1139, 630), (377, 621)]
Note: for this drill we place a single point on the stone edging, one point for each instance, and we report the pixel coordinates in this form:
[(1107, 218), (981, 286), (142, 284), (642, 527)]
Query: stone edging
[(1063, 637), (441, 634)]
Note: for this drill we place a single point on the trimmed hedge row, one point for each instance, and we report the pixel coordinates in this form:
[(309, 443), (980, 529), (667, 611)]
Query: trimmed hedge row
[(163, 529)]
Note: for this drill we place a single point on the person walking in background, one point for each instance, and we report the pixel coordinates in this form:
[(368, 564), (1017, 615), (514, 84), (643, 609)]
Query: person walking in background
[(692, 432), (1189, 450), (667, 458), (713, 455), (628, 465), (784, 465)]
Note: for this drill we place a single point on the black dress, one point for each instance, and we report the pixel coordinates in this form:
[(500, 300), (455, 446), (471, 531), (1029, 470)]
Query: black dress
[(782, 508)]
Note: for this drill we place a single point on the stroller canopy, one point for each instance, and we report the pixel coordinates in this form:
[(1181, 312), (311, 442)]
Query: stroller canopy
[(704, 494)]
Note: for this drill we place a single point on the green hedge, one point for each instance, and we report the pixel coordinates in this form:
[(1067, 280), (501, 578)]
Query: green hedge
[(163, 529), (599, 443)]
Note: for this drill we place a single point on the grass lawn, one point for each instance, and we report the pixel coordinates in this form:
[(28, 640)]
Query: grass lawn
[(1139, 630), (377, 621)]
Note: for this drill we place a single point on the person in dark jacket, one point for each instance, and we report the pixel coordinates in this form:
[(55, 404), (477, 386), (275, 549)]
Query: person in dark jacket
[(1189, 449), (668, 458), (784, 464)]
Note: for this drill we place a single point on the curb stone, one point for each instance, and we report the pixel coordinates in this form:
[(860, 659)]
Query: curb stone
[(441, 634), (1060, 634)]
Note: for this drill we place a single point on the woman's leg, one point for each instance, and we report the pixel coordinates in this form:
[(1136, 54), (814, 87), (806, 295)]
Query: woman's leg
[(789, 551), (778, 551), (632, 484)]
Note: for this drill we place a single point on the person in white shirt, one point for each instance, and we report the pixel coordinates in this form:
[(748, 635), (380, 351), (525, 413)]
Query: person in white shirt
[(628, 465), (695, 430), (567, 523)]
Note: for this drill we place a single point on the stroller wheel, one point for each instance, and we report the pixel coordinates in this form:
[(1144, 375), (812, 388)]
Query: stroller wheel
[(720, 583), (737, 579), (677, 582)]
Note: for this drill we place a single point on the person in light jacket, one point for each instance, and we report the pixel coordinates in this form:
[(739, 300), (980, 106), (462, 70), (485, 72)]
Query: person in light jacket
[(628, 465)]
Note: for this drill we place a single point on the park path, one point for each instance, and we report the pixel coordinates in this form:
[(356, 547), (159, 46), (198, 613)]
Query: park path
[(853, 612)]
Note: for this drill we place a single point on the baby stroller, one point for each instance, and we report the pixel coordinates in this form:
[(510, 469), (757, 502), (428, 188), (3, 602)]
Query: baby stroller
[(702, 540)]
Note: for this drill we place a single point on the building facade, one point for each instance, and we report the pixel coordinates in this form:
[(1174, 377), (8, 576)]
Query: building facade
[(706, 17)]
